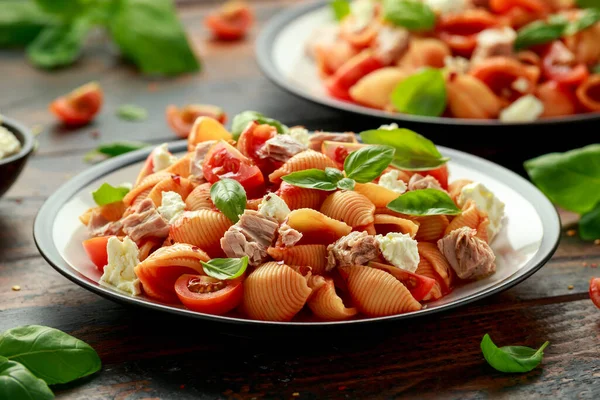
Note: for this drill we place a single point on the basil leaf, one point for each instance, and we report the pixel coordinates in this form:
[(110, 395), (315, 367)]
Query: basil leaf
[(225, 268), (596, 69), (131, 112), (334, 174), (410, 14), (413, 151), (149, 33), (21, 21), (241, 121), (340, 8), (346, 184), (107, 194), (117, 148), (570, 180), (18, 383), (367, 163), (64, 8), (588, 18), (424, 202), (511, 358), (50, 354), (540, 32), (229, 197), (588, 3), (423, 93), (311, 179), (589, 224)]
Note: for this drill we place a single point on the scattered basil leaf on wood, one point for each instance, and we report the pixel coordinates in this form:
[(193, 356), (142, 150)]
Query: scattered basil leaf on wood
[(59, 45), (511, 358), (346, 184), (225, 268), (412, 151), (107, 194), (340, 8), (367, 163), (587, 18), (423, 93), (50, 354), (571, 179), (229, 197), (241, 121), (424, 202), (589, 224), (410, 14), (112, 150), (311, 179), (540, 32), (21, 21), (131, 112), (18, 383)]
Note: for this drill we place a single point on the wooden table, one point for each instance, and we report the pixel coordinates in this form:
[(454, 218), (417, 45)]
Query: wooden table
[(148, 355)]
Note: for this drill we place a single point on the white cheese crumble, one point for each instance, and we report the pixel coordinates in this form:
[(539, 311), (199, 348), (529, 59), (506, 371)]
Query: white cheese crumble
[(300, 134), (273, 206), (391, 180), (485, 201), (389, 127), (119, 272), (363, 12), (161, 158), (172, 206), (399, 250), (494, 36), (526, 109), (459, 65), (444, 7), (520, 85), (9, 144)]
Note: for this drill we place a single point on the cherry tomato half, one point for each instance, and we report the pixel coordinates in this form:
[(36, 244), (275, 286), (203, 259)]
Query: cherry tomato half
[(568, 75), (231, 21), (182, 119), (252, 139), (418, 285), (80, 106), (440, 173), (95, 249), (350, 72), (502, 6), (208, 295), (595, 291)]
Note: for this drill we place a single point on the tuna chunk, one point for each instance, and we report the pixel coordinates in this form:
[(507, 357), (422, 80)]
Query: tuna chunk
[(288, 236), (145, 221), (356, 248), (469, 256), (100, 226), (316, 139), (251, 236), (494, 42), (281, 148), (391, 43), (198, 158), (418, 181)]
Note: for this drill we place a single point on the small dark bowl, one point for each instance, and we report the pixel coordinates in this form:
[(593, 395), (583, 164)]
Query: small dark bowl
[(11, 167)]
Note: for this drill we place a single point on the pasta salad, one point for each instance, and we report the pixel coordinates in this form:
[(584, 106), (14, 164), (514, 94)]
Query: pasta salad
[(510, 60), (269, 222)]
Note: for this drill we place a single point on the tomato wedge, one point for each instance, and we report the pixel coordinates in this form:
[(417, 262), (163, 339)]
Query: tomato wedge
[(95, 249), (225, 161), (460, 30), (209, 295), (182, 119), (231, 21), (440, 173), (418, 285), (595, 291), (350, 72), (252, 139), (338, 151), (502, 6), (568, 75), (80, 106)]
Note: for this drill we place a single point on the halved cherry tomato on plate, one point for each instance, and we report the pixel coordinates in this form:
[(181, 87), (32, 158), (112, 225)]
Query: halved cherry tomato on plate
[(502, 6), (231, 21), (209, 295), (440, 173), (338, 151), (553, 69), (95, 248), (595, 291), (418, 285), (460, 31), (80, 106), (359, 38), (350, 72), (182, 119), (252, 139)]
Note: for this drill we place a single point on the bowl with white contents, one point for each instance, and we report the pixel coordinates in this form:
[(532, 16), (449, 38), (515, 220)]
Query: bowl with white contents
[(16, 144)]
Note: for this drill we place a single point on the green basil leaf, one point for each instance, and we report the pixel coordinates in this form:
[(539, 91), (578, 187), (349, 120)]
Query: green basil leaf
[(64, 8), (107, 194), (588, 18), (589, 224), (311, 179), (18, 383), (413, 151), (241, 121), (423, 93), (346, 184), (424, 202), (540, 32), (367, 163), (131, 112), (588, 3), (229, 197), (49, 354), (410, 14), (117, 148), (570, 180), (511, 358), (21, 21), (149, 33), (340, 8), (596, 69), (225, 268), (334, 174)]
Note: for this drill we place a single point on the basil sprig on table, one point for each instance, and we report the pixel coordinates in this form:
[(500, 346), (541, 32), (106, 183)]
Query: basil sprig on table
[(410, 14), (113, 149), (131, 112), (511, 358), (571, 180), (225, 268), (229, 197), (423, 93), (362, 166), (33, 357), (107, 194), (340, 8), (424, 202), (241, 121)]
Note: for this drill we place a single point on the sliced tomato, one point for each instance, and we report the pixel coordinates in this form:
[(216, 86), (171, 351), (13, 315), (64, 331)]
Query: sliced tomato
[(252, 139), (231, 22), (350, 72), (338, 151), (182, 119), (418, 285), (460, 31), (440, 173), (503, 6), (209, 295), (568, 75), (225, 161), (358, 38), (80, 106), (95, 249)]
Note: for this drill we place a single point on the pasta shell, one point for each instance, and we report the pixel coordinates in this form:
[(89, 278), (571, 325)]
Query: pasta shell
[(110, 212), (316, 228), (350, 207), (385, 224), (173, 184), (375, 88), (587, 93), (378, 195), (296, 197), (141, 197), (199, 198), (440, 265), (431, 227), (182, 166), (201, 228), (472, 217), (305, 160), (324, 301), (455, 187), (148, 247), (144, 186), (274, 292), (312, 255), (426, 269)]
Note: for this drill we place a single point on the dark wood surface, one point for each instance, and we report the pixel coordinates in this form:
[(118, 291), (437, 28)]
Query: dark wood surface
[(147, 355)]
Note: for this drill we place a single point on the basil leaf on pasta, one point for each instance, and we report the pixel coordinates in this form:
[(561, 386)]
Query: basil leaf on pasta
[(410, 14), (340, 8), (225, 268), (346, 184), (367, 163), (107, 194), (424, 202), (241, 121), (587, 18), (334, 174), (311, 179), (423, 93), (588, 3), (511, 358), (229, 197), (540, 32)]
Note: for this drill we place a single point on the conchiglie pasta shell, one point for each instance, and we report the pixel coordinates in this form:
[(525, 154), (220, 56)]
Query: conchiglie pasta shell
[(182, 166), (385, 224), (199, 198), (274, 292), (431, 227), (374, 89), (141, 197), (455, 187), (147, 248), (586, 93), (316, 227), (376, 293), (110, 212), (175, 184), (440, 265), (305, 160), (201, 228), (252, 204), (377, 194), (325, 303), (473, 218), (350, 207), (144, 186), (426, 269), (296, 197), (312, 255)]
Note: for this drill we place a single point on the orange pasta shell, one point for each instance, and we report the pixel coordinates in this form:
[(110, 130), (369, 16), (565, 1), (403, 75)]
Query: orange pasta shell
[(305, 160), (201, 228), (311, 255), (199, 198), (378, 195), (324, 301), (440, 265), (431, 227), (296, 197), (144, 186), (173, 184), (350, 207), (385, 224)]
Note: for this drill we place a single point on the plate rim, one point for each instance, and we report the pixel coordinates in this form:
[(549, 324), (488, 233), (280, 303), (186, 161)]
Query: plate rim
[(45, 219), (264, 57)]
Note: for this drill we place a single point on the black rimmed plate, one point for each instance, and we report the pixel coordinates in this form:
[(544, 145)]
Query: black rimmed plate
[(527, 240)]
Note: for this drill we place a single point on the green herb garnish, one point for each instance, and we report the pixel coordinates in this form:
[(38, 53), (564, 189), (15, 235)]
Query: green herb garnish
[(424, 202), (225, 268), (131, 112), (107, 194), (423, 93), (229, 197), (410, 14), (241, 121), (511, 358), (340, 8)]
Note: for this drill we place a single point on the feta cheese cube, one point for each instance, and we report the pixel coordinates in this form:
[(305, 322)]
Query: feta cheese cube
[(526, 109), (119, 272), (273, 206), (400, 250), (172, 206), (485, 201)]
